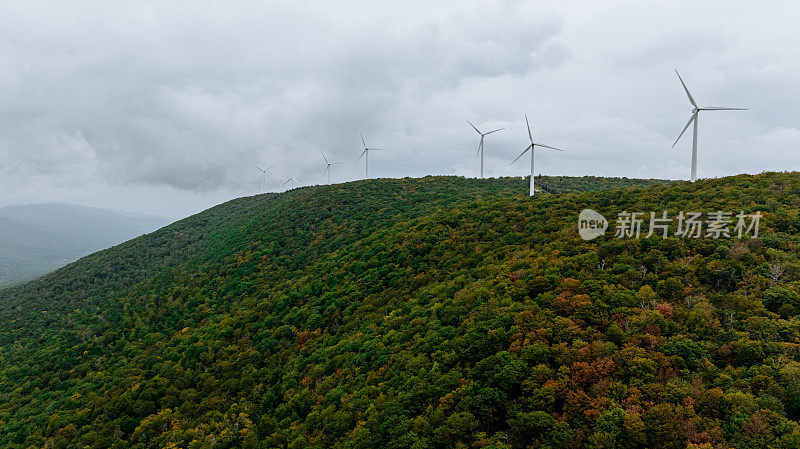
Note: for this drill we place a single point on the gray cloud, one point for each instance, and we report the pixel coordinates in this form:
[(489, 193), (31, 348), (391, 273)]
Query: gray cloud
[(163, 106)]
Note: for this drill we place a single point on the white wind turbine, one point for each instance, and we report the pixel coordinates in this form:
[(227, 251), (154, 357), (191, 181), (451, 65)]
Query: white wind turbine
[(264, 173), (328, 165), (532, 147), (295, 183), (365, 154), (480, 145), (695, 113)]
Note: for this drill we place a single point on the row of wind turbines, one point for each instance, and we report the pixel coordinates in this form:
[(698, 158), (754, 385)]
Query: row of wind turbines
[(267, 183), (693, 119), (531, 147), (364, 154)]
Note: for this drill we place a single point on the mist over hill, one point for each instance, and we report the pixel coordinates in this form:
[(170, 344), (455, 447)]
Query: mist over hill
[(435, 312), (38, 238)]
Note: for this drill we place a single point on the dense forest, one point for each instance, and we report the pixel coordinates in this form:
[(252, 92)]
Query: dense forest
[(419, 313)]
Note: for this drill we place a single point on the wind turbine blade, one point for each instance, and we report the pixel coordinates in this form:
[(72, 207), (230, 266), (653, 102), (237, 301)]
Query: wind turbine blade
[(521, 154), (686, 89), (691, 119), (716, 108), (530, 136), (362, 154), (480, 146), (256, 166), (327, 167), (337, 163), (287, 181), (362, 140), (270, 167), (323, 157), (547, 146), (473, 127), (375, 149), (494, 131)]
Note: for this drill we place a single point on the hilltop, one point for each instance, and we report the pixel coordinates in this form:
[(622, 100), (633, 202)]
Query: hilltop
[(433, 312)]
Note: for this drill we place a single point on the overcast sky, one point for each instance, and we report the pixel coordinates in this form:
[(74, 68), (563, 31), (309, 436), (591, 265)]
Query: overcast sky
[(162, 107)]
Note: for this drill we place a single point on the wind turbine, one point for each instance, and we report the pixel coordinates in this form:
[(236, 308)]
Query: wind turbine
[(365, 153), (695, 113), (480, 145), (532, 147), (264, 173), (294, 182), (328, 166)]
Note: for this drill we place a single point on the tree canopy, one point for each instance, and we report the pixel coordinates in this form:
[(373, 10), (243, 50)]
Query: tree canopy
[(419, 313)]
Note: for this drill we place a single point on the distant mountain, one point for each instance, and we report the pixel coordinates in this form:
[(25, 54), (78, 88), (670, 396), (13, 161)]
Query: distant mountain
[(38, 238)]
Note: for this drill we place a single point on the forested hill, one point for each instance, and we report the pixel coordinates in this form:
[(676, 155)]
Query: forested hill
[(238, 224), (435, 312)]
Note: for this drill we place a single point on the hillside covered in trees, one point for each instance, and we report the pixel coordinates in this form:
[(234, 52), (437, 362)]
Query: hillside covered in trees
[(419, 313)]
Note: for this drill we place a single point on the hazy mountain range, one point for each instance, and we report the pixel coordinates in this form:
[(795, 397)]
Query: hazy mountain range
[(38, 238)]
